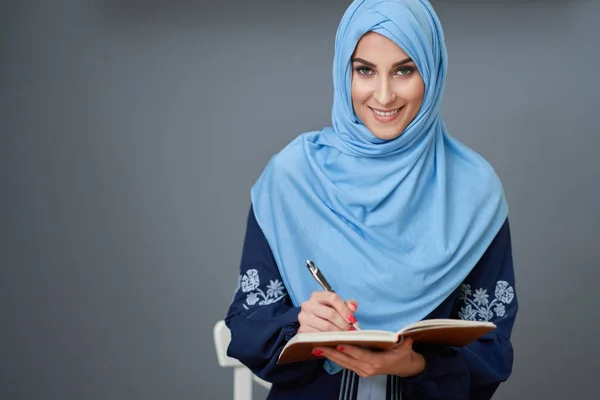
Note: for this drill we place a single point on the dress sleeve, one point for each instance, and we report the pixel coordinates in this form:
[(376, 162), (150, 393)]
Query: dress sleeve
[(261, 317), (475, 371)]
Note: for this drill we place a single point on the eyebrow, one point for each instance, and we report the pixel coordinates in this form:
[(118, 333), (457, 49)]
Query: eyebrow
[(370, 64)]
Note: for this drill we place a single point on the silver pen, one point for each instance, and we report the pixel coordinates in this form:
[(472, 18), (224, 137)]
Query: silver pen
[(316, 273)]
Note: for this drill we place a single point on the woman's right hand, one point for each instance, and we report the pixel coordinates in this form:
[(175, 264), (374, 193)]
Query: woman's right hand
[(326, 311)]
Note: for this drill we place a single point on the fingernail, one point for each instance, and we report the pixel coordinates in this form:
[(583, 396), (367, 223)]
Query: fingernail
[(340, 348), (352, 328), (354, 306), (317, 353), (352, 319)]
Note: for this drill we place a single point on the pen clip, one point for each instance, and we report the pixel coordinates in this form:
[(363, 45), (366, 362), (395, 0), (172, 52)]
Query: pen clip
[(316, 273)]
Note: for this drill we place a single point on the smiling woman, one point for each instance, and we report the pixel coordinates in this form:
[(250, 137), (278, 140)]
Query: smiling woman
[(401, 217), (387, 89)]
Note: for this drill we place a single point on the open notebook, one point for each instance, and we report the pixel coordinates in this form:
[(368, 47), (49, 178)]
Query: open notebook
[(449, 332)]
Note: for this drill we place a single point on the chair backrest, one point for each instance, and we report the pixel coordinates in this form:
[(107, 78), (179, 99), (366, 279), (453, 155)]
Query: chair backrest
[(242, 376)]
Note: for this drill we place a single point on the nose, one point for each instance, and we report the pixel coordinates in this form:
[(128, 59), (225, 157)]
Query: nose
[(384, 93)]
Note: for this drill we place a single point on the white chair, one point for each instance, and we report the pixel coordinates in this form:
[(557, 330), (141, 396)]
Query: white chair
[(242, 376)]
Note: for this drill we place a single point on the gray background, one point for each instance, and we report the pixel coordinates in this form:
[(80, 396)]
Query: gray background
[(131, 132)]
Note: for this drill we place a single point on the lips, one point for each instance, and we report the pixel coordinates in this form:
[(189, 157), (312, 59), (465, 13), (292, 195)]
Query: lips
[(382, 113), (385, 116)]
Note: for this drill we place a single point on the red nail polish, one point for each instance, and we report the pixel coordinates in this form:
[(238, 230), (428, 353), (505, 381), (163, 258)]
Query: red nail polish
[(352, 319), (352, 328), (340, 348), (317, 353)]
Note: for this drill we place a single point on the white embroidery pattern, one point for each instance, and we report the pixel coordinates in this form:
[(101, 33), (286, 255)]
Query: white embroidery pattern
[(479, 307), (250, 282)]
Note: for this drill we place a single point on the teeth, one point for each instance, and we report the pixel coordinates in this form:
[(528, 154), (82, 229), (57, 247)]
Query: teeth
[(385, 114)]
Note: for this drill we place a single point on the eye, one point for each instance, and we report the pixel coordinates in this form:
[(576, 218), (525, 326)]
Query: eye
[(405, 71), (364, 70)]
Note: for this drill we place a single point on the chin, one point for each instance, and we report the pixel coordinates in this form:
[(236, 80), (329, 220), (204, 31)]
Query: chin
[(387, 134)]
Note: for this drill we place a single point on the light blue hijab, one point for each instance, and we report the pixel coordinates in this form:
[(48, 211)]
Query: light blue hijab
[(396, 224)]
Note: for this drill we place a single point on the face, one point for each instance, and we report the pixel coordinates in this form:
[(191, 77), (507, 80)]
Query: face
[(387, 89)]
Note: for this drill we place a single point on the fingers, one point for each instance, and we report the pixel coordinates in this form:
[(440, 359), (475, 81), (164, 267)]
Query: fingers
[(406, 343), (333, 300), (403, 348), (352, 305), (332, 316), (355, 352), (326, 311), (310, 322), (400, 360), (345, 312), (339, 356)]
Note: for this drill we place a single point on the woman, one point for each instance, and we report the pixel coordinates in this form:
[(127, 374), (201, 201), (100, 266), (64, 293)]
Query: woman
[(404, 221)]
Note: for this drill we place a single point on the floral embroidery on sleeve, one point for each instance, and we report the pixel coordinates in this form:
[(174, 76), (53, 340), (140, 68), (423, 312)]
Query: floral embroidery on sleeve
[(477, 306), (250, 284)]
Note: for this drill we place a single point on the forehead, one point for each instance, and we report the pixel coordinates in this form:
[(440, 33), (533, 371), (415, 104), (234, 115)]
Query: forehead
[(377, 48)]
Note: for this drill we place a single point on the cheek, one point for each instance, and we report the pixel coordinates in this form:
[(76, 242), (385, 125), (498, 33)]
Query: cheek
[(416, 92), (360, 92)]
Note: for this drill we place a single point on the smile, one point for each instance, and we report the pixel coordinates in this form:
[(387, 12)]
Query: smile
[(385, 115)]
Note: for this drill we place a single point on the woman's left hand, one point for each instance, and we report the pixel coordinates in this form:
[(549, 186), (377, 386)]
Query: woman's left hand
[(401, 360)]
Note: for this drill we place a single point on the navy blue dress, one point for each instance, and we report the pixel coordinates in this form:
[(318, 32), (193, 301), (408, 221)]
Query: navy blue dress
[(262, 319)]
